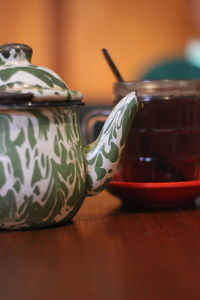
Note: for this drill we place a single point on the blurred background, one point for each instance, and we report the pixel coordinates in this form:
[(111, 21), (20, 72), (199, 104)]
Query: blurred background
[(68, 35)]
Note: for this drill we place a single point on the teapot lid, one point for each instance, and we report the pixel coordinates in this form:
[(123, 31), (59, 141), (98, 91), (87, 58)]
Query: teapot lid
[(23, 84)]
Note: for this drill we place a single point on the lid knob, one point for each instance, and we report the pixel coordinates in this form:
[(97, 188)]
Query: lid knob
[(14, 53)]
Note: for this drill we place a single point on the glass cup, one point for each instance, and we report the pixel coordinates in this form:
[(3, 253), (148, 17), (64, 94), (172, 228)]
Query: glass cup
[(164, 142)]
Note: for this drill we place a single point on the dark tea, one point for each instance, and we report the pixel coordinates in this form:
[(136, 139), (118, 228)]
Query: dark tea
[(164, 141)]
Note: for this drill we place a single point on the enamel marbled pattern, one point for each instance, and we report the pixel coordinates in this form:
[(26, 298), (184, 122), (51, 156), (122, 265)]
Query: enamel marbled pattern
[(42, 171)]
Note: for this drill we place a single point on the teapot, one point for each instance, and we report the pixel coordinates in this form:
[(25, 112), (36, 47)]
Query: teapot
[(45, 170)]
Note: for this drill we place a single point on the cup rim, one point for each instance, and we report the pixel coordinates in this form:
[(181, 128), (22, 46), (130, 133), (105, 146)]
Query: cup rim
[(164, 88), (157, 81)]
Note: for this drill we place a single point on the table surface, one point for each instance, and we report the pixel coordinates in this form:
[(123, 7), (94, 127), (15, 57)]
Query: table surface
[(107, 252)]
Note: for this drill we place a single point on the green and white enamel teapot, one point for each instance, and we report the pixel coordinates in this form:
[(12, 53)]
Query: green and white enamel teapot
[(45, 170)]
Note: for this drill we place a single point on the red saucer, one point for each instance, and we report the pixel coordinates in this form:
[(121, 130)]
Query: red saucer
[(156, 194)]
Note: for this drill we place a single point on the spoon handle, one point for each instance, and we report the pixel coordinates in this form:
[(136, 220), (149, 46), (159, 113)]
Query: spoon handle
[(112, 65)]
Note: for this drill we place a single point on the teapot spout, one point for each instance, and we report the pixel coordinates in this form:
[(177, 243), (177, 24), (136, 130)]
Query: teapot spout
[(102, 156)]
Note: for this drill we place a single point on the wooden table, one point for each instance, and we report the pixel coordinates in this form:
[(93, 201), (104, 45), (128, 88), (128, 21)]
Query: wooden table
[(107, 253)]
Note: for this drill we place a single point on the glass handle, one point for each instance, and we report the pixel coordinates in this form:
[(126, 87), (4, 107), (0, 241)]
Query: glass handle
[(91, 119)]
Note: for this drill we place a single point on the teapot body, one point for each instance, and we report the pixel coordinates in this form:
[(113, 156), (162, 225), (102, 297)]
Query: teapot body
[(42, 168)]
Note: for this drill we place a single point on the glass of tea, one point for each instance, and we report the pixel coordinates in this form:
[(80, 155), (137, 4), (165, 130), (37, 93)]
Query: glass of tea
[(164, 142)]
